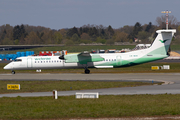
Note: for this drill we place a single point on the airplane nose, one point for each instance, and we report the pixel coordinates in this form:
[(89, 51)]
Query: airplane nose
[(7, 67)]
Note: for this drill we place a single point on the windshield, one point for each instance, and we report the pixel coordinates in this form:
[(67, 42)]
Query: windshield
[(17, 60)]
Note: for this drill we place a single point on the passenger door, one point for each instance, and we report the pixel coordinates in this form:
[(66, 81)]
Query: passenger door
[(29, 62)]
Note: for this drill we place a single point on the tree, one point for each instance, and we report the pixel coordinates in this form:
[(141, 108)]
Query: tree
[(90, 32), (121, 37), (47, 37), (32, 38), (80, 30), (6, 34), (94, 31), (137, 28), (127, 29), (7, 41), (19, 33), (72, 31), (102, 33), (85, 29), (85, 36), (40, 34), (16, 32), (161, 21), (178, 29), (100, 40), (144, 36), (3, 34), (63, 33), (75, 38), (148, 27), (57, 37), (110, 32)]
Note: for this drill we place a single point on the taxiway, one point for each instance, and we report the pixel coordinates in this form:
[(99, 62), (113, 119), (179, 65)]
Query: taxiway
[(171, 83)]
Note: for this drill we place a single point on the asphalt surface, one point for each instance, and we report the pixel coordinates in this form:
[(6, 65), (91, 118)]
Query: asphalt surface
[(171, 83)]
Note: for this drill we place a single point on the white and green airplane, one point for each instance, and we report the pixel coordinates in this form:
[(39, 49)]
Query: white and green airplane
[(158, 50)]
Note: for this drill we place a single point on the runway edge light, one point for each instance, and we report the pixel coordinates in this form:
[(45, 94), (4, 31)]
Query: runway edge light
[(13, 86)]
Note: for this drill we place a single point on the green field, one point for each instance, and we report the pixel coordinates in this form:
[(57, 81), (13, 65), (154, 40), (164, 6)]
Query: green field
[(72, 48), (47, 86), (107, 106)]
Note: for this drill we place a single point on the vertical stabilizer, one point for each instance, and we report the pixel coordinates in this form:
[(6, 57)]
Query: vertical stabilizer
[(162, 42)]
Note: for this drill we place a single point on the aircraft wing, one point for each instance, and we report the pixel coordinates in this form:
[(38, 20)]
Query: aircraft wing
[(83, 58)]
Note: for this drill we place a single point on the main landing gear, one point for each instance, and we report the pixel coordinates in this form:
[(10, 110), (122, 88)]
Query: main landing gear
[(86, 70), (13, 72)]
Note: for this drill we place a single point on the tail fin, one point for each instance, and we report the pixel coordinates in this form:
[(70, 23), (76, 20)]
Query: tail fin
[(162, 42)]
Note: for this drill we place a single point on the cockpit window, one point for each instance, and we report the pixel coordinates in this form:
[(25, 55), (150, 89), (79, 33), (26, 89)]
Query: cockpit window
[(17, 60)]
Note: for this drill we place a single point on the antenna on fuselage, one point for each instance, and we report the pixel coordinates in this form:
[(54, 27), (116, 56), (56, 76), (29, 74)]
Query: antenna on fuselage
[(166, 17)]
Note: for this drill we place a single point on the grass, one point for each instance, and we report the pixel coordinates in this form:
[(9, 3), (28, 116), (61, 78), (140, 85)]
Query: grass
[(175, 47), (72, 48), (107, 106), (46, 86)]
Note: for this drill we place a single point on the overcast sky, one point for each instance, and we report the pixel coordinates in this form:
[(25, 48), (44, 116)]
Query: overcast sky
[(58, 14)]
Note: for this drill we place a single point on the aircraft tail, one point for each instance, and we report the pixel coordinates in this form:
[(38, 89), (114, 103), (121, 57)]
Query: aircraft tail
[(162, 42)]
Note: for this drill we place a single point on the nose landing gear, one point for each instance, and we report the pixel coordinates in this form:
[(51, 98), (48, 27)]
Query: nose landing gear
[(13, 72)]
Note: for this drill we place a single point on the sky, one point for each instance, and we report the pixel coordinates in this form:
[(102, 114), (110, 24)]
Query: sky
[(58, 14)]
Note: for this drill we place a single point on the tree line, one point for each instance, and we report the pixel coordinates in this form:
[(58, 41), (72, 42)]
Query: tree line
[(87, 34)]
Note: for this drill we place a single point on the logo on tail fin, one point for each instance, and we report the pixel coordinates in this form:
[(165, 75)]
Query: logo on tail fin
[(163, 41)]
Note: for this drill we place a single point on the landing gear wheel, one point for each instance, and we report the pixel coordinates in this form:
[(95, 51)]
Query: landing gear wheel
[(87, 71), (13, 72)]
